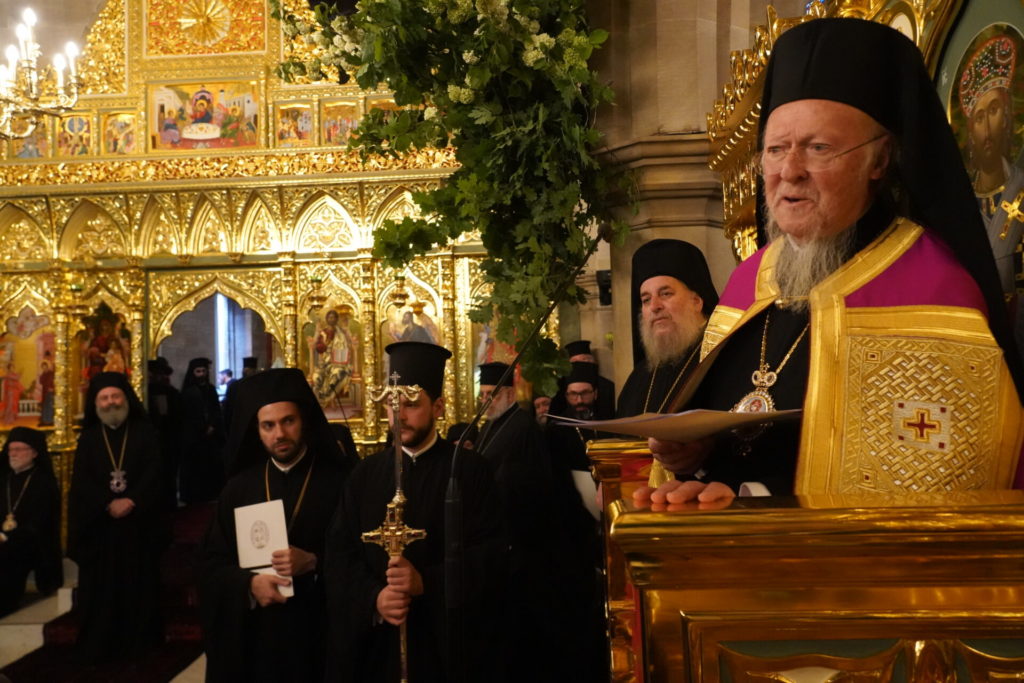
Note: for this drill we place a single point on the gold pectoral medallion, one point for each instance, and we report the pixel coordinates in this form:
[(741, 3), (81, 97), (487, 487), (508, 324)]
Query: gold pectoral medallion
[(10, 524)]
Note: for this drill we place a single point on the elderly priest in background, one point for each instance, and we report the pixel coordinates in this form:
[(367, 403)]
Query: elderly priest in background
[(875, 308)]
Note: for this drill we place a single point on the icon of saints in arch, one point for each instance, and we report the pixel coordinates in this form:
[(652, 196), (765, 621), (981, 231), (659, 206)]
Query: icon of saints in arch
[(334, 359)]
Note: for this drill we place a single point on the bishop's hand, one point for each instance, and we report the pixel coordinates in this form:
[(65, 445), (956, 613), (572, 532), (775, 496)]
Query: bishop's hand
[(712, 496)]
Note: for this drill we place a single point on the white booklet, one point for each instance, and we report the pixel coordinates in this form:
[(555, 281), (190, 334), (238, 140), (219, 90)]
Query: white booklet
[(684, 427), (260, 529)]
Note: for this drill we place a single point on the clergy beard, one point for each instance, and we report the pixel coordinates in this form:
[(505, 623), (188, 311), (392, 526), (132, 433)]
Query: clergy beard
[(113, 416), (289, 456), (670, 345), (418, 437), (800, 268)]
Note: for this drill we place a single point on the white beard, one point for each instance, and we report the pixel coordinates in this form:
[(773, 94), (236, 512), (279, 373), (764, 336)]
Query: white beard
[(113, 416), (802, 267), (669, 346)]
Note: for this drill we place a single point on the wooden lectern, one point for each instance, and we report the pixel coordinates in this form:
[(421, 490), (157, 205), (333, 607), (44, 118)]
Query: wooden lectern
[(828, 588)]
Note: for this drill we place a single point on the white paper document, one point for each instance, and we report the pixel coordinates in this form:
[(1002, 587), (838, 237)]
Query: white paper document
[(687, 426), (260, 529)]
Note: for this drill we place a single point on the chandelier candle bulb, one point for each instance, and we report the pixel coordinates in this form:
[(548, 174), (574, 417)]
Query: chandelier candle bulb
[(59, 64), (71, 49)]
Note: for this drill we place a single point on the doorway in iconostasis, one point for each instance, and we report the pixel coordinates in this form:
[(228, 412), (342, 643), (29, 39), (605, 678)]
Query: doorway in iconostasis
[(27, 370), (331, 355), (224, 332)]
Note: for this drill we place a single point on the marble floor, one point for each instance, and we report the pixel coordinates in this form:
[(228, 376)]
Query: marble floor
[(22, 632)]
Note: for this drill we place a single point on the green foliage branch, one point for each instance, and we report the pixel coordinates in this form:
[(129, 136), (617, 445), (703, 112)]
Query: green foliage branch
[(506, 83)]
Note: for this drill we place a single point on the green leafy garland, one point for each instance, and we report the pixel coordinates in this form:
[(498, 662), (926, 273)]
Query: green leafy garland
[(506, 83)]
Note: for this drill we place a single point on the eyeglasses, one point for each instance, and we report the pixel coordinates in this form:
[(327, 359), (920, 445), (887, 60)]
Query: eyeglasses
[(816, 156), (574, 395)]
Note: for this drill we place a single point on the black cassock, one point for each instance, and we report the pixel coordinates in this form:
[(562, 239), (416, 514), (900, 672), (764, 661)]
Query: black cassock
[(647, 391), (34, 545), (281, 642), (202, 439), (117, 600), (364, 649), (550, 592)]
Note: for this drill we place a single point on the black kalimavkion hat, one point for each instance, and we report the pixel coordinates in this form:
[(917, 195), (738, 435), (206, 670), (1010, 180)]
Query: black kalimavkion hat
[(419, 363)]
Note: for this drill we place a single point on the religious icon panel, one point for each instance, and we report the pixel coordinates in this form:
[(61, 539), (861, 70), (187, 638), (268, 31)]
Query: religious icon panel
[(26, 362), (982, 80), (338, 120), (332, 359), (293, 125), (119, 134), (192, 116)]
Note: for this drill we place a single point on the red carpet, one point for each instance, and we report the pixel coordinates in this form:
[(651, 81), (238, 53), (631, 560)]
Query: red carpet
[(55, 663)]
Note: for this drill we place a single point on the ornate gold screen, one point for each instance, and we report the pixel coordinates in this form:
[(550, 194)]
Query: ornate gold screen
[(191, 170)]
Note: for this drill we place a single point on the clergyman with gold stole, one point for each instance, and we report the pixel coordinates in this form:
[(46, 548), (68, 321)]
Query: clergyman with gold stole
[(114, 528), (371, 594), (280, 447), (876, 307)]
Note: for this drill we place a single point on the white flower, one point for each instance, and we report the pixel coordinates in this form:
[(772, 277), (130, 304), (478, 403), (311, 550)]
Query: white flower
[(470, 57), (429, 113)]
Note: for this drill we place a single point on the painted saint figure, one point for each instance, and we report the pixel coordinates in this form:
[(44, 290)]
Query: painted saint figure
[(334, 353)]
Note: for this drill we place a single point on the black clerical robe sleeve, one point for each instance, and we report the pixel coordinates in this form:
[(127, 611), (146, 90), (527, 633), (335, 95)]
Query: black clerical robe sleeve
[(224, 590)]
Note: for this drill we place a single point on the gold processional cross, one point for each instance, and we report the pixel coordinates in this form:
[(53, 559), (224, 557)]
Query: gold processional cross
[(393, 535)]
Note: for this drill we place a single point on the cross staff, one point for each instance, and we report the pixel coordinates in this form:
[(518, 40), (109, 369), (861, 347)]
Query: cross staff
[(393, 535)]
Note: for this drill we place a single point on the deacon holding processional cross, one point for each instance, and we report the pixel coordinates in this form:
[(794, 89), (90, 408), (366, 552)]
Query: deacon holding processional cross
[(393, 535), (385, 579)]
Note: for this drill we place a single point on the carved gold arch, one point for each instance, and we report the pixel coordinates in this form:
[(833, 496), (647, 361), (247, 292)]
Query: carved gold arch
[(91, 232), (159, 233), (34, 291), (26, 238), (395, 206), (208, 233), (260, 231), (325, 225), (178, 293)]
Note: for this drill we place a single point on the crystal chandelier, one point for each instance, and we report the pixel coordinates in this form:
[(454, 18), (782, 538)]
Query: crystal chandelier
[(23, 101)]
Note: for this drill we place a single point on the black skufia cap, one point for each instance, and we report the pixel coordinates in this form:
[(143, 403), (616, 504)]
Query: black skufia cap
[(582, 372), (576, 348), (418, 363), (491, 374)]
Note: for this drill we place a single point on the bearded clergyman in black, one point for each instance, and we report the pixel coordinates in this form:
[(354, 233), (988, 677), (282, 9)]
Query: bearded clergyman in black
[(280, 447), (672, 297), (30, 539), (371, 595), (114, 530)]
